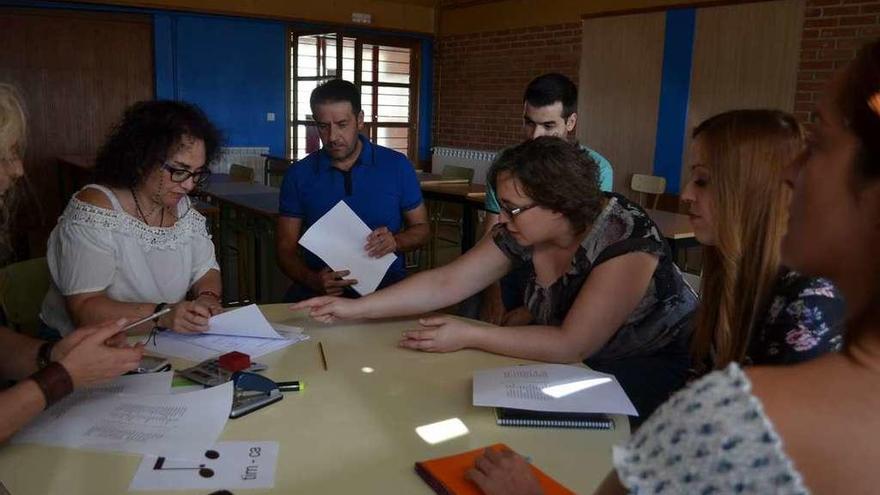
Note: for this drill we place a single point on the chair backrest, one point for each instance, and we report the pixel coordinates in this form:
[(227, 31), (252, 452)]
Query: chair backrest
[(456, 172), (241, 173), (23, 286), (274, 169), (693, 281), (648, 184)]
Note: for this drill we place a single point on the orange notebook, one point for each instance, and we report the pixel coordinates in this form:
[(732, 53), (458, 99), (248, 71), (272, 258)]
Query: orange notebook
[(446, 474)]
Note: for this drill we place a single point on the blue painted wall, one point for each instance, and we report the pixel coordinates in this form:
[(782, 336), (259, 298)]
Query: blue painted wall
[(675, 88), (233, 68)]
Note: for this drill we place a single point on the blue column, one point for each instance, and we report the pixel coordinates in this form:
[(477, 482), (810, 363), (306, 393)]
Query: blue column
[(675, 90)]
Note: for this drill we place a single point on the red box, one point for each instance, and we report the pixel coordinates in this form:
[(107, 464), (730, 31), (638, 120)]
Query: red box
[(234, 361)]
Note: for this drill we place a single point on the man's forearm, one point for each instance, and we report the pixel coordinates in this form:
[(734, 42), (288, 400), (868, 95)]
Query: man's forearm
[(296, 269), (414, 237)]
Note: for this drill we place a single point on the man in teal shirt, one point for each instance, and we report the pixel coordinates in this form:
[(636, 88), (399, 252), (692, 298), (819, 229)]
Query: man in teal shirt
[(549, 109)]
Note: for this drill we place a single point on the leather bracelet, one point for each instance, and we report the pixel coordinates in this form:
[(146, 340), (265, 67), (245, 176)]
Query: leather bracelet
[(44, 354), (208, 293), (54, 381)]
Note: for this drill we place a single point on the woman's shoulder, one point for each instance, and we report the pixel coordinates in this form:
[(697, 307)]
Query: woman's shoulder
[(711, 437), (795, 285), (96, 195)]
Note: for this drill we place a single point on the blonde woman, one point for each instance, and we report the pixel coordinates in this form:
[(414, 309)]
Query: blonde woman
[(46, 371), (753, 310)]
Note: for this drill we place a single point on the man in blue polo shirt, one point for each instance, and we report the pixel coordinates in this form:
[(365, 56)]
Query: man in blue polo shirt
[(549, 109), (378, 183)]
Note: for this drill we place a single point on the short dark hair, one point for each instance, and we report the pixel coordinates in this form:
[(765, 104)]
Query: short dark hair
[(557, 175), (147, 136), (550, 88), (861, 84), (336, 90)]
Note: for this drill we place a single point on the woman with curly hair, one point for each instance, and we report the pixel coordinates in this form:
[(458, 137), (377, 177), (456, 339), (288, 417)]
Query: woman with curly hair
[(131, 243), (602, 284)]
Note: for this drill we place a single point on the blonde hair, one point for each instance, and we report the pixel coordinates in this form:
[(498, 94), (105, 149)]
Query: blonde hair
[(746, 152), (13, 126), (13, 136)]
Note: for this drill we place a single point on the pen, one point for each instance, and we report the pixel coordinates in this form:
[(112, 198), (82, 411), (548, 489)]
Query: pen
[(294, 386), (146, 319)]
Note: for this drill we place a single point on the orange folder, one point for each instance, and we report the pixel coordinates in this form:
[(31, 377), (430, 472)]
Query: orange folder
[(446, 474)]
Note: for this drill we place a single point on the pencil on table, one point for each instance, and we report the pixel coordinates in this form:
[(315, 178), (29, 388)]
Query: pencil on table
[(323, 356)]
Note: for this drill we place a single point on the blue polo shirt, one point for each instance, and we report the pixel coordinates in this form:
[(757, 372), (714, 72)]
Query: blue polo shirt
[(380, 187)]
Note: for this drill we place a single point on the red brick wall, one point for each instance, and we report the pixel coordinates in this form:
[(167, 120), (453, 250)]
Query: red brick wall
[(833, 32), (480, 79)]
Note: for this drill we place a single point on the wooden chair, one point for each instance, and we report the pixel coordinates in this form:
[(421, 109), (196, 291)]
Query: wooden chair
[(240, 173), (648, 184), (274, 169), (441, 214), (23, 286)]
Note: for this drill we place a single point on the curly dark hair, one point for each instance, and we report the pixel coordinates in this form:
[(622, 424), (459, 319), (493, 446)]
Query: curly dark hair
[(147, 136), (557, 175), (861, 86)]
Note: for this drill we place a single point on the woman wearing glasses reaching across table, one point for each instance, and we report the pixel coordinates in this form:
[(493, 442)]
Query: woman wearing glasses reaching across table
[(131, 243), (602, 288)]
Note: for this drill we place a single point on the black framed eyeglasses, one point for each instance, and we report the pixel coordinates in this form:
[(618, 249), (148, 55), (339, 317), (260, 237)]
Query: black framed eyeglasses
[(514, 212), (182, 174)]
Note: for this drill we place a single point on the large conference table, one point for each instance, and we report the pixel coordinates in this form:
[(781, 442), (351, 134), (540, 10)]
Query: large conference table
[(350, 431)]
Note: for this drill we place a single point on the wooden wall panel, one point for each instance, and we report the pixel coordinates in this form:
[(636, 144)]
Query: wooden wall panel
[(620, 73), (745, 56), (77, 72)]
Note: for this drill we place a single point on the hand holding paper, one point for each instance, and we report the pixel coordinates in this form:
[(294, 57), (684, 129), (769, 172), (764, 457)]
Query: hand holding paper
[(338, 238)]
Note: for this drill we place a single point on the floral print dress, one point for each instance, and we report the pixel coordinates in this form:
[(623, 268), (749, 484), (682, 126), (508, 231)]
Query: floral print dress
[(804, 320)]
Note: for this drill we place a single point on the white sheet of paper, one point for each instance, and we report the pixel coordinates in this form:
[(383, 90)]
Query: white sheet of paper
[(228, 465), (533, 388), (183, 425), (199, 348), (338, 238), (247, 321)]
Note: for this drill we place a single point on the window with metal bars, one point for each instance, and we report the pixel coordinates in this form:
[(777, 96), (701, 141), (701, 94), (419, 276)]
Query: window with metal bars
[(385, 70)]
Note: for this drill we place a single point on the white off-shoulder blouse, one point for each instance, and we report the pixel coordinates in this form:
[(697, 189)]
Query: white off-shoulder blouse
[(94, 249)]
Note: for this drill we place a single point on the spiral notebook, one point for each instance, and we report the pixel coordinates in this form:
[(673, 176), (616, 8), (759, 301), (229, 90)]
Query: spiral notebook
[(543, 419)]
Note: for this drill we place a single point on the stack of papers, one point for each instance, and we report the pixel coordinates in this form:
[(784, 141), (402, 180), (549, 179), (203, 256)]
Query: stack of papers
[(243, 329), (551, 387), (338, 238), (135, 414)]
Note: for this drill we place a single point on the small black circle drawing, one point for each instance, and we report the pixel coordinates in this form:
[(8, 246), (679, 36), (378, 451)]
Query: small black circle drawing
[(212, 454), (206, 472)]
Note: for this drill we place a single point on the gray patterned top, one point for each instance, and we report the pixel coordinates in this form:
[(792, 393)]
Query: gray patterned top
[(712, 437), (661, 317)]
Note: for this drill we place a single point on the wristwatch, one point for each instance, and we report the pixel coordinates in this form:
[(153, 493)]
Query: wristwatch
[(44, 354)]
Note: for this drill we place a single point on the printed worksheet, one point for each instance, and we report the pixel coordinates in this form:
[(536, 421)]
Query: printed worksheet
[(247, 321), (338, 238), (227, 465), (201, 347), (551, 387), (181, 425)]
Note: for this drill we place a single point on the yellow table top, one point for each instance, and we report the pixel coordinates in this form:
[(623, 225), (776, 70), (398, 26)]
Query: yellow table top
[(349, 431)]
